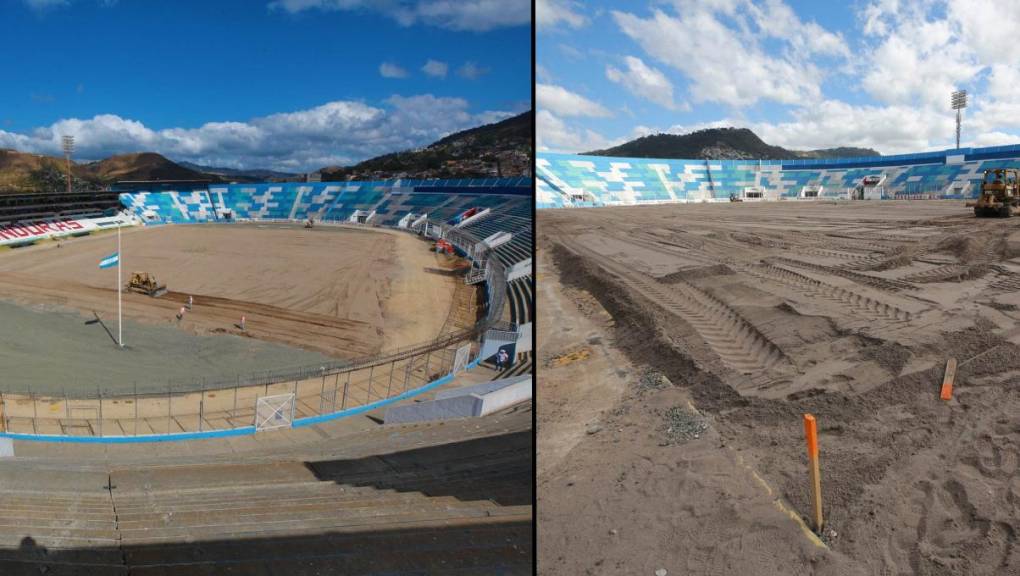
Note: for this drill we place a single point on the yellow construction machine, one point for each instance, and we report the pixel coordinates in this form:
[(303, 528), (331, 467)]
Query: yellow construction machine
[(146, 283), (1000, 193)]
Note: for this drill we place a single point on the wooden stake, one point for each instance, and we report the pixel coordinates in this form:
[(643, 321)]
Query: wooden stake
[(811, 433), (948, 380)]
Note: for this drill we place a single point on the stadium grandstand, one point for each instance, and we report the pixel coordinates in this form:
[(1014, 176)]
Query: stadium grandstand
[(568, 180), (327, 494)]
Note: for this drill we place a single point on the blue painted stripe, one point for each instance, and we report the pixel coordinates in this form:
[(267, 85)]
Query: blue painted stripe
[(130, 439), (300, 422)]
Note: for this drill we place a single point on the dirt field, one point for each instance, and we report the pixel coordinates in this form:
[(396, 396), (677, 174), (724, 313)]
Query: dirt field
[(690, 340), (334, 292)]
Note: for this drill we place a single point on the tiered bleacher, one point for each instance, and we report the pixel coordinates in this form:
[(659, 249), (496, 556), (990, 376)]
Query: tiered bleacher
[(521, 304), (388, 201), (514, 218), (36, 205), (568, 180), (448, 505)]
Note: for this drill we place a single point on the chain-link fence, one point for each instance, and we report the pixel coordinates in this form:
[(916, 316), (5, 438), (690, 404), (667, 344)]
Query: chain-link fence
[(176, 411)]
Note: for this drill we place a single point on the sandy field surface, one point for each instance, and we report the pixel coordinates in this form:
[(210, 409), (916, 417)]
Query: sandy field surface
[(691, 339), (336, 292)]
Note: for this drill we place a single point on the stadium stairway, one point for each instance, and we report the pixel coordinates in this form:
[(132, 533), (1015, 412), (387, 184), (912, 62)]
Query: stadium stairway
[(520, 300), (461, 507)]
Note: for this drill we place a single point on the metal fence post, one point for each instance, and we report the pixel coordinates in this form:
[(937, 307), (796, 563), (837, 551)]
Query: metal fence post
[(336, 384), (35, 412), (371, 371), (428, 356), (346, 385), (169, 404), (237, 383), (407, 371), (390, 384), (322, 392), (100, 392), (201, 406), (67, 406), (136, 408)]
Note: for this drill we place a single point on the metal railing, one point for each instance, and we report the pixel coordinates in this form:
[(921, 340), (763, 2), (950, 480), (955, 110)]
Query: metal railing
[(214, 410)]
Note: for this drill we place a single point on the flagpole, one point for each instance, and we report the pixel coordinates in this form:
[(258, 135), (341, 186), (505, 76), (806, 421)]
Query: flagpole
[(120, 328)]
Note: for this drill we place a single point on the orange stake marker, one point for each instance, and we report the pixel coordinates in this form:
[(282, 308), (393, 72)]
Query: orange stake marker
[(948, 379), (811, 432)]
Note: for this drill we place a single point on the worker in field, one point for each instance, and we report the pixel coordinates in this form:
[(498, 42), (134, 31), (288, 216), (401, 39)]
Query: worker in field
[(180, 314), (242, 323), (191, 301)]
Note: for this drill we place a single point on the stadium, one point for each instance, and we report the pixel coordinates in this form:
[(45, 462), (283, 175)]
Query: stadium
[(707, 306), (349, 364)]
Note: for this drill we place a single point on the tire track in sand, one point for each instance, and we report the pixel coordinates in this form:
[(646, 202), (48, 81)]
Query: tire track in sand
[(740, 346)]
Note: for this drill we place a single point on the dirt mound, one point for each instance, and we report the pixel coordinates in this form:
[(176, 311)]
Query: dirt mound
[(697, 273)]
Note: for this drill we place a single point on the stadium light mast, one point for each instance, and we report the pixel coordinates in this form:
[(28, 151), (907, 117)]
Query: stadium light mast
[(68, 142), (959, 102)]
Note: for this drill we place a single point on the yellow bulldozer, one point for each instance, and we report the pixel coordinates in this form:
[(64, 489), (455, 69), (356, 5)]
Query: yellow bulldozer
[(146, 283), (1000, 193)]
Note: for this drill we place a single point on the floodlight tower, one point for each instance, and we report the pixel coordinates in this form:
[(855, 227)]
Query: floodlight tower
[(959, 101), (68, 142)]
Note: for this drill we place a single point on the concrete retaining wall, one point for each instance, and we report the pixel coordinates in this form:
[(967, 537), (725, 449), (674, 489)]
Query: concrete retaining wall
[(467, 402)]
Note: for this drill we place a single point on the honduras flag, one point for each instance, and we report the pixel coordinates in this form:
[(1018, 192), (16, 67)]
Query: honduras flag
[(110, 261)]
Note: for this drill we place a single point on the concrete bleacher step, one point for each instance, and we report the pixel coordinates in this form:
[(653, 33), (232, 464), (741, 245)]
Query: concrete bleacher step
[(432, 539), (12, 537), (498, 560), (57, 511), (219, 524), (367, 522), (327, 490), (281, 504), (39, 568), (252, 513)]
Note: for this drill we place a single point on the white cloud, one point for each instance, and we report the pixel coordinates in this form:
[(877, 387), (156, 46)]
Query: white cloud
[(472, 71), (919, 60), (926, 50), (728, 63), (474, 15), (340, 132), (554, 134), (643, 81), (989, 28), (435, 68), (389, 70), (561, 101), (549, 13)]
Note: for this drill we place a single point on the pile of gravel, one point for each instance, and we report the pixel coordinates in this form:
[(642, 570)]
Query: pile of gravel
[(683, 424), (652, 380)]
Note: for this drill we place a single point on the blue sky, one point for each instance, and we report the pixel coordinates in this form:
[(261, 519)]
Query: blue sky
[(287, 84), (801, 74)]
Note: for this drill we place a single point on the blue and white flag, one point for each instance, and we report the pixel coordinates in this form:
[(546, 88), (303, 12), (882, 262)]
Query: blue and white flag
[(110, 261)]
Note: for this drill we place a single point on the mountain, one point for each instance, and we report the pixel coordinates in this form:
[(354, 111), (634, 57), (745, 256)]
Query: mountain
[(24, 172), (719, 144), (143, 166), (484, 152), (841, 152), (233, 174)]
